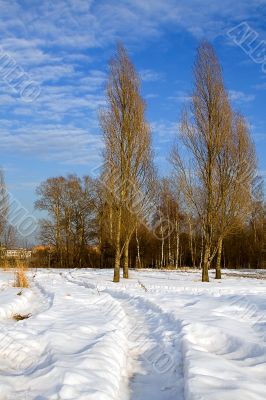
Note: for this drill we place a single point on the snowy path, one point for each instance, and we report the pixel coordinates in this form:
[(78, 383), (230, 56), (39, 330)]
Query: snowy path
[(221, 332), (157, 336), (156, 358), (155, 365)]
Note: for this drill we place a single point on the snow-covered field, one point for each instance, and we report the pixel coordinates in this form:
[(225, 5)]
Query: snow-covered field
[(158, 336)]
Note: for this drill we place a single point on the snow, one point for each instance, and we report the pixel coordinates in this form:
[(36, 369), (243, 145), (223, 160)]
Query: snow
[(161, 335)]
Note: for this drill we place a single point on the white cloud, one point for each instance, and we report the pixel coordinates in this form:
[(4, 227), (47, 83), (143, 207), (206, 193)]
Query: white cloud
[(151, 96), (80, 24), (180, 96), (164, 131), (259, 137), (64, 143), (240, 97), (148, 75), (260, 86), (53, 41)]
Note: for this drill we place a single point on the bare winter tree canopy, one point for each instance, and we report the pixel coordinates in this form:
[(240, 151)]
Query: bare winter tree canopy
[(69, 203), (210, 213), (128, 168), (216, 182)]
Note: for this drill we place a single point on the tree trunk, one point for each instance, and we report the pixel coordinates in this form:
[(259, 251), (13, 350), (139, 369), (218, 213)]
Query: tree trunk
[(218, 274), (169, 242), (162, 254), (206, 263), (177, 244), (138, 264), (201, 250), (117, 249), (125, 264), (191, 244)]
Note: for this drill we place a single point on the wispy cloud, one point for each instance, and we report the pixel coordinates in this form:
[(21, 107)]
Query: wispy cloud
[(63, 143), (180, 96), (240, 97), (54, 41), (148, 75), (260, 86), (164, 131)]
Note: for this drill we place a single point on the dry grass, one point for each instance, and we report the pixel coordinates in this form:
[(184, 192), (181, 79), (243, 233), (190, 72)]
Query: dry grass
[(5, 265), (21, 279), (19, 317)]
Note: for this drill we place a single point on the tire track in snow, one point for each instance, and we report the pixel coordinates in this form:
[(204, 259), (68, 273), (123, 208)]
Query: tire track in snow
[(155, 369), (92, 366), (48, 297)]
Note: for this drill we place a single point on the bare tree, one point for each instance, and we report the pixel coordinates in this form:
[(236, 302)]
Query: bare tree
[(236, 168), (217, 181), (203, 130), (10, 236), (70, 227), (169, 217), (4, 204), (50, 200), (128, 155)]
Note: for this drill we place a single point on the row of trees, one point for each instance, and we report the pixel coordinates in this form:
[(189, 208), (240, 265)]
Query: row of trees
[(201, 216), (70, 203)]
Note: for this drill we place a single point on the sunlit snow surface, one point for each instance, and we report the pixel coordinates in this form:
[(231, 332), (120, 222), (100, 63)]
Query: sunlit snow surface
[(158, 336)]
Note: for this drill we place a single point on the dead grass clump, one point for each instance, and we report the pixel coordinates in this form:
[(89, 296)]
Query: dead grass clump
[(19, 317), (21, 279), (5, 264)]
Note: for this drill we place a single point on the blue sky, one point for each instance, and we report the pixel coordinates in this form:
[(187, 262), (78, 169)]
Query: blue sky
[(64, 46)]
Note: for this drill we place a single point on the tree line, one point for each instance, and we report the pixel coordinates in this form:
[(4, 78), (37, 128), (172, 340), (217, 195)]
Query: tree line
[(11, 218), (210, 212)]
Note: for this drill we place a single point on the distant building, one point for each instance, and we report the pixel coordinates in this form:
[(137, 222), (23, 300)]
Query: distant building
[(17, 253)]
